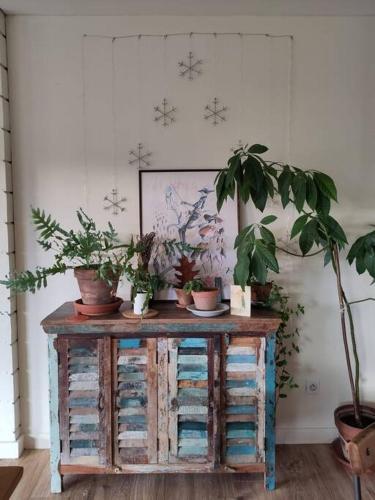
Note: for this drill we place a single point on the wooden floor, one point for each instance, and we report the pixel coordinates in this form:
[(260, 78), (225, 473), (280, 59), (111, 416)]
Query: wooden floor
[(307, 472)]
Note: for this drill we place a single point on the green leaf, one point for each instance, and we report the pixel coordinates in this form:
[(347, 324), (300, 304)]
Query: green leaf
[(220, 189), (298, 225), (333, 228), (323, 204), (311, 193), (307, 236), (259, 198), (268, 219), (258, 268), (327, 258), (242, 270), (267, 256), (257, 149), (356, 249), (267, 236), (299, 191), (284, 186), (326, 185)]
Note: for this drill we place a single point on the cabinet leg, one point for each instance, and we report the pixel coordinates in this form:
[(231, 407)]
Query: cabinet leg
[(56, 478), (270, 442)]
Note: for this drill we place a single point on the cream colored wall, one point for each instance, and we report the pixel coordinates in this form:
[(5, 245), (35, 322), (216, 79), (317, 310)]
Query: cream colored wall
[(333, 116)]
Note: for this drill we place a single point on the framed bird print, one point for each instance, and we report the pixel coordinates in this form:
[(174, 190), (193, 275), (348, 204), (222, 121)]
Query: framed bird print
[(180, 207)]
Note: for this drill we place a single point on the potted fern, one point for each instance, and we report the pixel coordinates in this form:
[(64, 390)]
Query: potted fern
[(311, 192), (96, 256)]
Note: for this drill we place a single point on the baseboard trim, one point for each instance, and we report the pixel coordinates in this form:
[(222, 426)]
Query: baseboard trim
[(12, 449), (305, 435), (37, 442)]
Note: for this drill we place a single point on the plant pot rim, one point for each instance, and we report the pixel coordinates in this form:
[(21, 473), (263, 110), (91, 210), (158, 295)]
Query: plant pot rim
[(206, 290), (348, 409)]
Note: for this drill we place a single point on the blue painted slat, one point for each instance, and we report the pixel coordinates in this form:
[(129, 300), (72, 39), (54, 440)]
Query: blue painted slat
[(186, 433), (193, 391), (192, 376), (193, 342), (83, 443), (192, 368), (132, 402), (132, 419), (240, 430), (129, 343), (231, 384), (83, 403), (82, 351), (87, 427), (192, 451), (270, 382), (241, 449), (241, 358), (241, 410), (193, 426), (83, 369)]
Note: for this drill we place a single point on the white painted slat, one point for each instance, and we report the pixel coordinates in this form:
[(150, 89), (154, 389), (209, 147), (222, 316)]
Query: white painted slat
[(76, 377), (241, 367), (84, 419), (241, 391), (132, 360), (244, 350), (192, 359), (132, 411), (192, 410), (132, 435), (84, 386), (5, 149)]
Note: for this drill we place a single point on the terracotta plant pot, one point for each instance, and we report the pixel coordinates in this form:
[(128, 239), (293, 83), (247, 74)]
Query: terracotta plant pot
[(94, 290), (346, 425), (206, 300), (260, 293), (184, 299)]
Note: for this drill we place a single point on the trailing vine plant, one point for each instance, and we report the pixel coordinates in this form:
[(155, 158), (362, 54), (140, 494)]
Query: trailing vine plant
[(311, 192), (287, 337)]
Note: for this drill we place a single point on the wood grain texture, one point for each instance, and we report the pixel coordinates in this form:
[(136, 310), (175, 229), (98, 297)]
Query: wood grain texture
[(163, 450), (307, 472), (170, 320)]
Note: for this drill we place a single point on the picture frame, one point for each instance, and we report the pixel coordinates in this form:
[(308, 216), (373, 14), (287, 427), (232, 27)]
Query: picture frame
[(180, 205)]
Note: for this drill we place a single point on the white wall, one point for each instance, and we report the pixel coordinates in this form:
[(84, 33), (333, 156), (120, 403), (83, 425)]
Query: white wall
[(333, 118)]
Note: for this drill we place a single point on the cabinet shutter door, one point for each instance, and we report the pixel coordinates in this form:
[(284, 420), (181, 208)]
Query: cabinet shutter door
[(242, 400), (135, 401), (192, 369), (84, 401)]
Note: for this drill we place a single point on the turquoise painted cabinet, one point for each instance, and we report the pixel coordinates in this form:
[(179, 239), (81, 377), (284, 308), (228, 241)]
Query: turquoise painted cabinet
[(172, 394)]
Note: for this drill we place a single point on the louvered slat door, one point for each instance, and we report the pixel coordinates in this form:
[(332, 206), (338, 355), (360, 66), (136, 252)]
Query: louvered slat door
[(192, 369), (84, 401), (135, 401), (242, 400)]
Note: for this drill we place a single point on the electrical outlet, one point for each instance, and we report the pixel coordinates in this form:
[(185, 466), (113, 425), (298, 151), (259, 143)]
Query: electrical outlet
[(312, 386)]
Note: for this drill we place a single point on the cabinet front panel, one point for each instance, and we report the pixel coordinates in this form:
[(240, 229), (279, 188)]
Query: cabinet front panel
[(83, 417), (135, 401), (243, 395), (190, 386)]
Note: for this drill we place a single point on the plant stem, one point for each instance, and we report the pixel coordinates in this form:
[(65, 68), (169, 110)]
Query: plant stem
[(359, 301), (300, 255), (342, 301)]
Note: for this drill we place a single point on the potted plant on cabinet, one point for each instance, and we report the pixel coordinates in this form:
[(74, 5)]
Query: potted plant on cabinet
[(311, 192), (96, 256), (205, 298)]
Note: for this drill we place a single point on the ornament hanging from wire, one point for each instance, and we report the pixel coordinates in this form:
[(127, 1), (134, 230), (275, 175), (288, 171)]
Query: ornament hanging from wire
[(114, 203), (215, 112), (139, 157), (165, 113), (190, 69)]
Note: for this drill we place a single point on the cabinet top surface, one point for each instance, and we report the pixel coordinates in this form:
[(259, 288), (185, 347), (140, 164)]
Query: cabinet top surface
[(170, 320)]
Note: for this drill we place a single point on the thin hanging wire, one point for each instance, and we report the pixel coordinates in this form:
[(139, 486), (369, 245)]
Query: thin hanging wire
[(114, 115), (84, 121), (290, 102), (190, 33)]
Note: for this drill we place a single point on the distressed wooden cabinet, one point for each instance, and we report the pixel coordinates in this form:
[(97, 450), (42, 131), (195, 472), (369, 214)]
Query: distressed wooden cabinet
[(171, 394)]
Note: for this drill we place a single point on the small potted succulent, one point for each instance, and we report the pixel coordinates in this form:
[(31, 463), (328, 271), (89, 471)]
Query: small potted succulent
[(205, 298), (96, 256)]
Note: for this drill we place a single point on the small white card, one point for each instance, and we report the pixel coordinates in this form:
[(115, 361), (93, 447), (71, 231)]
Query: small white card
[(240, 301)]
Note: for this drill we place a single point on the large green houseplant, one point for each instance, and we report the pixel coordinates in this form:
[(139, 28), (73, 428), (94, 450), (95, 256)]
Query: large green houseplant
[(311, 192), (96, 256)]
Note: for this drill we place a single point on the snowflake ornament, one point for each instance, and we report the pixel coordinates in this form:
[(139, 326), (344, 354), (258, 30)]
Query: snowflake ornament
[(114, 202), (139, 157), (190, 68), (215, 113), (165, 113)]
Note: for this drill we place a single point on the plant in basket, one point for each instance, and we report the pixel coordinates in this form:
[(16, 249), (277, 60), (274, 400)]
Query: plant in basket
[(96, 256), (311, 192)]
